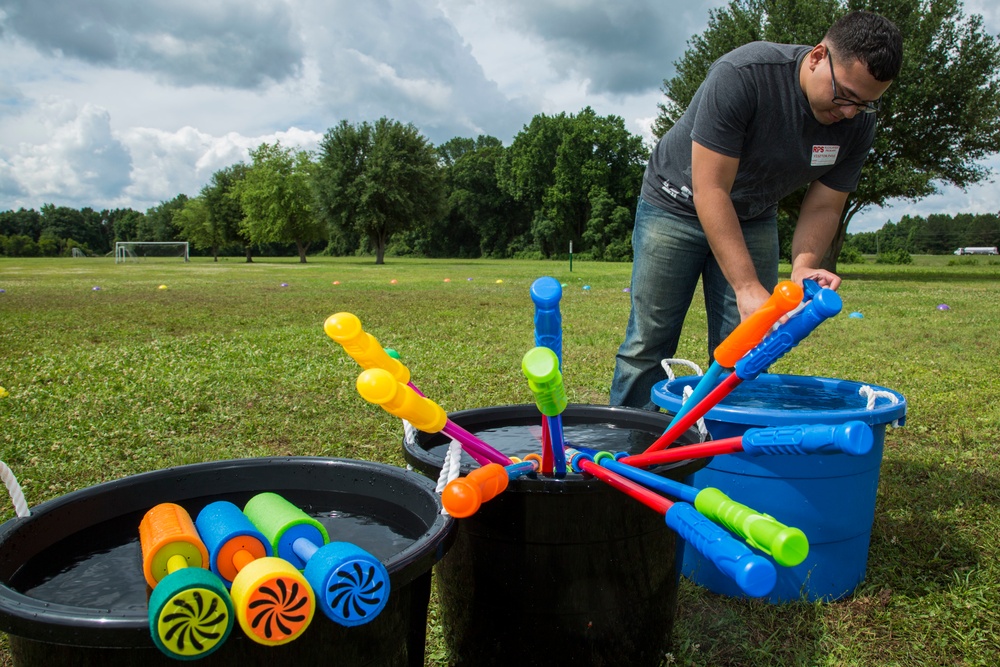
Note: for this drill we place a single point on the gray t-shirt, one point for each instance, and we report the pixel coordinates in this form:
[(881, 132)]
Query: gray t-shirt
[(752, 107)]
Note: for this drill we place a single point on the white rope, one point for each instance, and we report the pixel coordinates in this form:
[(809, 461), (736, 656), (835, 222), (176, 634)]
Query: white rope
[(410, 434), (872, 394), (451, 468), (667, 363), (667, 366), (14, 489), (702, 429)]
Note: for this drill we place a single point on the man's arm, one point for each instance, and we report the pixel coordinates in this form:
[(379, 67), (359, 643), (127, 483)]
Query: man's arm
[(712, 178), (818, 221)]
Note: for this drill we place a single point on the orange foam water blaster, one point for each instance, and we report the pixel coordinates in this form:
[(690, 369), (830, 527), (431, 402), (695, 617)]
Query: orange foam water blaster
[(464, 496), (190, 611)]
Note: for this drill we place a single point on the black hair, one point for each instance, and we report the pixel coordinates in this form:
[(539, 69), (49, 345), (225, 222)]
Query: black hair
[(870, 38)]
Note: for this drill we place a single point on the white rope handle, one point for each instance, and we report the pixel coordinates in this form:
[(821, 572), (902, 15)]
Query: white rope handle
[(688, 390), (450, 469), (871, 395), (667, 363), (702, 429), (14, 489)]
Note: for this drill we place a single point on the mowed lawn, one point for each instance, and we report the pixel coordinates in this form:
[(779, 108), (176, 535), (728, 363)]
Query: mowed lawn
[(110, 375)]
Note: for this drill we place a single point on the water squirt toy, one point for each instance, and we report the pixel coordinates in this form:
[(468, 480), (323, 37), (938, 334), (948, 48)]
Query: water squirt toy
[(378, 386), (464, 496), (345, 328), (824, 304), (351, 585), (190, 611), (854, 438), (786, 544), (754, 574), (274, 602), (786, 296), (541, 367)]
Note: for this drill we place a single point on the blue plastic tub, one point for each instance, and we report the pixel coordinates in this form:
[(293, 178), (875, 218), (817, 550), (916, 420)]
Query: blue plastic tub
[(830, 497)]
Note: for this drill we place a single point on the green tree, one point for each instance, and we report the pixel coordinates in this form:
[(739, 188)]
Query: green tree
[(495, 222), (560, 166), (276, 198), (224, 206), (23, 222), (939, 119), (378, 180), (158, 223), (194, 225), (125, 223)]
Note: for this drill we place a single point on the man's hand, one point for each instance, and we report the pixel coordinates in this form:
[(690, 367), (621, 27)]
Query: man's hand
[(750, 299), (823, 277)]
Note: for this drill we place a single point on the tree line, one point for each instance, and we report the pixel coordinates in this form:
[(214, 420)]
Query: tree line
[(383, 188), (373, 188), (936, 234)]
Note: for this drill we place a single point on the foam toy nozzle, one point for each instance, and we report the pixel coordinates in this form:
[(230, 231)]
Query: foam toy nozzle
[(377, 385), (274, 603), (190, 611), (351, 585), (345, 328)]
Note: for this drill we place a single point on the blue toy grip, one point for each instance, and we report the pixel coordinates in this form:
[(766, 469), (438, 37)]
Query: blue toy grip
[(546, 293), (755, 575), (853, 438), (810, 288), (825, 304)]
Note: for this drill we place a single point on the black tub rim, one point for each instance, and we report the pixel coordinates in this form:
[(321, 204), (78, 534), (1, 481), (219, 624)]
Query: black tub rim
[(417, 455), (30, 618)]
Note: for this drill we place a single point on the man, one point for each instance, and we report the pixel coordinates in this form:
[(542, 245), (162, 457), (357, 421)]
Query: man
[(768, 119)]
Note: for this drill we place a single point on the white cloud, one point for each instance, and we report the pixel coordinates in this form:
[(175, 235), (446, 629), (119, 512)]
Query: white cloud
[(82, 157), (107, 103)]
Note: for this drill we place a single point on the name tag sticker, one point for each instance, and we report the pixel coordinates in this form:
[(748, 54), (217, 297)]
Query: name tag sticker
[(824, 155)]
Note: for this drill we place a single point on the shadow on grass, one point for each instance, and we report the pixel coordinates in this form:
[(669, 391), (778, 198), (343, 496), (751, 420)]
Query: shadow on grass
[(720, 631), (923, 540), (925, 513)]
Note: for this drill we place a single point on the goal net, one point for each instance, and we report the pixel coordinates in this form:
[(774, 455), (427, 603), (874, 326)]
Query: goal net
[(136, 251)]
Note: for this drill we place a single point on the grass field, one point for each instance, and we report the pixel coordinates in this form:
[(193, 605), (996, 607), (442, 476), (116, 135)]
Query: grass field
[(230, 361)]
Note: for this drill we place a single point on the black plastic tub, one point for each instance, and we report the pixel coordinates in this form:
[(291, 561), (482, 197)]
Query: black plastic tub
[(559, 571), (72, 590)]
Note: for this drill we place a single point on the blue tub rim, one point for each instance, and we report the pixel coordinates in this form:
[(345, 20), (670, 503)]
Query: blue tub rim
[(667, 394)]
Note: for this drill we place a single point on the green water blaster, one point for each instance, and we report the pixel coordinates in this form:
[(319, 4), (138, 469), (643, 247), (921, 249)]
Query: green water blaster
[(786, 544), (541, 368), (351, 585)]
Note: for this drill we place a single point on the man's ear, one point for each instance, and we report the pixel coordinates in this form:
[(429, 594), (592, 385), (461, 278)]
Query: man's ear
[(816, 56)]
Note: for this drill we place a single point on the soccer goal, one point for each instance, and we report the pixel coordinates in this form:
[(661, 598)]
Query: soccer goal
[(135, 251)]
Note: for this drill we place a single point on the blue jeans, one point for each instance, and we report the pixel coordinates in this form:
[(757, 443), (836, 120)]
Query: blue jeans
[(670, 253)]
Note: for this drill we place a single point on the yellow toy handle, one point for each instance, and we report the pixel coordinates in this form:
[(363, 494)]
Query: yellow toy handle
[(346, 329), (377, 385)]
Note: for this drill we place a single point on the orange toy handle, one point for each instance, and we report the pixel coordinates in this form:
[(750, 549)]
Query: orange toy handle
[(787, 295), (166, 532), (345, 328), (463, 496)]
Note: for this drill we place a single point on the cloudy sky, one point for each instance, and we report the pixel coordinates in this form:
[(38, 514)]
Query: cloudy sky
[(126, 104)]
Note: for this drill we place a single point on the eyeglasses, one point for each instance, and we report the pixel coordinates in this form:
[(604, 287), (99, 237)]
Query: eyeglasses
[(863, 107)]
